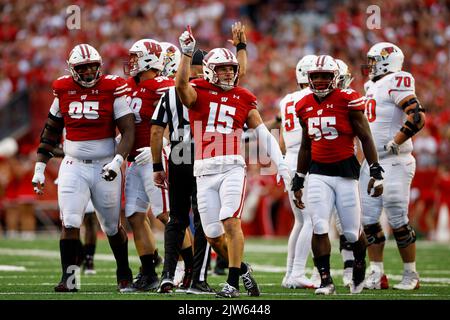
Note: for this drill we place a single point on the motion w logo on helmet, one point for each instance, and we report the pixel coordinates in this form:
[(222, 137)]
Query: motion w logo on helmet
[(153, 47)]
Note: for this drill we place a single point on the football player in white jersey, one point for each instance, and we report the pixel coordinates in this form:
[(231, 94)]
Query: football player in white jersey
[(395, 115), (299, 244)]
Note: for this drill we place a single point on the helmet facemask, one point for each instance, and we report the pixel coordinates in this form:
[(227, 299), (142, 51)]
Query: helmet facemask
[(322, 82), (226, 76), (131, 67), (86, 74)]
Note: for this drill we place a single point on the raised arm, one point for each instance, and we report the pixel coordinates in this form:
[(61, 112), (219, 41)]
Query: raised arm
[(186, 92), (240, 42)]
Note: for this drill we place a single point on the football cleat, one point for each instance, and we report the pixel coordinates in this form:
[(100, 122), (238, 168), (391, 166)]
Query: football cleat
[(284, 282), (200, 287), (228, 292), (250, 283), (179, 273), (326, 290), (315, 278), (359, 273), (347, 277), (376, 280), (62, 287), (146, 283), (125, 286), (88, 266), (300, 283), (166, 285), (410, 281), (187, 280)]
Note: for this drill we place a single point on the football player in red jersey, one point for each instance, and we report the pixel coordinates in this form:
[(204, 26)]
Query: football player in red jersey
[(146, 61), (89, 106), (331, 118), (218, 110)]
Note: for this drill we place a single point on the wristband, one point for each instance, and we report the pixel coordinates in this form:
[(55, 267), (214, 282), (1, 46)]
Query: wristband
[(241, 46), (158, 167)]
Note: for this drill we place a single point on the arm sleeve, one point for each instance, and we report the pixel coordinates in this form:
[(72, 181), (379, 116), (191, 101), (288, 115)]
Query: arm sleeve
[(269, 143), (54, 108), (121, 107)]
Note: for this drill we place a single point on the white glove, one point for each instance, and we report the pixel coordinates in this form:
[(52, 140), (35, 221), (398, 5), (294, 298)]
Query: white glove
[(112, 169), (39, 177), (144, 156), (284, 173), (392, 147), (187, 42)]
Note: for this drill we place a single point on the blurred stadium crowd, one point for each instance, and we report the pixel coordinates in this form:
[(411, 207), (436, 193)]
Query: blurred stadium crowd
[(35, 42)]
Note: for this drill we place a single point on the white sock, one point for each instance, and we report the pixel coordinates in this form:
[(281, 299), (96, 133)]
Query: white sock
[(410, 266), (347, 255), (377, 266)]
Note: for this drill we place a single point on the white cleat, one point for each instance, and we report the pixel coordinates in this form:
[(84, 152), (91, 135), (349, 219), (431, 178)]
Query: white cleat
[(356, 289), (347, 277), (300, 283), (315, 278), (179, 274), (284, 282), (376, 281), (326, 290), (410, 281)]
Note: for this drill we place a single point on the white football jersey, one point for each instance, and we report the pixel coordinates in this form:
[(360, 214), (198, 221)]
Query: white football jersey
[(292, 130), (385, 116)]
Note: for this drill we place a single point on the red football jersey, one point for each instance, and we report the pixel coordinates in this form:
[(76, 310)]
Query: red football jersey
[(328, 124), (88, 113), (143, 100), (219, 116)]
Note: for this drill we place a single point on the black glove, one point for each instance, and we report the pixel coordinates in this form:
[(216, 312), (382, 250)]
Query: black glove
[(376, 170), (297, 183)]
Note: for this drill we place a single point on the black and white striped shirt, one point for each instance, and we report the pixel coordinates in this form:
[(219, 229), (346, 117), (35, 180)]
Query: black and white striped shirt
[(171, 111)]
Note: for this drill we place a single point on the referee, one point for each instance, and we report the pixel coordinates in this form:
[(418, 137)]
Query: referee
[(182, 186)]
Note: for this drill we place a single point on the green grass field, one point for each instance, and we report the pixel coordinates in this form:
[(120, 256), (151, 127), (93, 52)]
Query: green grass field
[(36, 269)]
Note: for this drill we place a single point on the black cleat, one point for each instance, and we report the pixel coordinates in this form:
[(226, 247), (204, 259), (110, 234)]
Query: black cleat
[(200, 287), (146, 283), (125, 281), (88, 265), (250, 283)]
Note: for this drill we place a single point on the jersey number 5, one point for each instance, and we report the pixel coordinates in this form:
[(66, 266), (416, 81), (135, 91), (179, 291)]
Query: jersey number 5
[(290, 121), (220, 118), (322, 127), (88, 109)]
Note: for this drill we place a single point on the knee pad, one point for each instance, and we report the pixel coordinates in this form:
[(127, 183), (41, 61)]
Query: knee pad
[(404, 236), (214, 230), (320, 227), (372, 231), (344, 244), (72, 220), (351, 237), (110, 230)]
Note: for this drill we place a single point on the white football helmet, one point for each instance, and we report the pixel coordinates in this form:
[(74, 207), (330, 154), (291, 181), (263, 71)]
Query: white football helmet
[(83, 54), (303, 66), (220, 57), (382, 58), (323, 64), (144, 55), (172, 59), (345, 77)]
